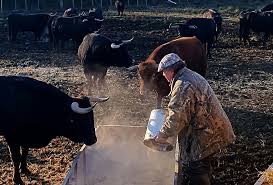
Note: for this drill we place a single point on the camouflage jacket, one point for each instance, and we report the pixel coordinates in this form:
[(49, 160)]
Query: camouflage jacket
[(197, 117)]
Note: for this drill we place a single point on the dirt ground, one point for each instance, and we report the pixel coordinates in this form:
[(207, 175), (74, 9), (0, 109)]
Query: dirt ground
[(242, 77)]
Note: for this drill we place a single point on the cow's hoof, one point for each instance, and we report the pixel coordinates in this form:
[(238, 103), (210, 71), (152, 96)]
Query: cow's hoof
[(25, 171), (18, 181)]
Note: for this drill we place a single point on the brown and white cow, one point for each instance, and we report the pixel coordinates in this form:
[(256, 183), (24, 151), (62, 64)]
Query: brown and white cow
[(190, 49)]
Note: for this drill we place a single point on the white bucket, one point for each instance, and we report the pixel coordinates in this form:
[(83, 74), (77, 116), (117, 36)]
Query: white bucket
[(155, 123)]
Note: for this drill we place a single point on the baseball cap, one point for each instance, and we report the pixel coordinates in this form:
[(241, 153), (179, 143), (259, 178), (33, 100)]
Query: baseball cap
[(167, 61)]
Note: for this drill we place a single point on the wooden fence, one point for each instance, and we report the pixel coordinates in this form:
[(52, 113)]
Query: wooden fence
[(28, 5)]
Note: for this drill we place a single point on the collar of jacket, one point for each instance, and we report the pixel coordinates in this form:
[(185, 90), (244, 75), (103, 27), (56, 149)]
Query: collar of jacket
[(177, 75)]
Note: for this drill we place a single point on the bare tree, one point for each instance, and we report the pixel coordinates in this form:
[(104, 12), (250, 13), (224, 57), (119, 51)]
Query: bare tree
[(73, 3), (1, 6), (15, 4)]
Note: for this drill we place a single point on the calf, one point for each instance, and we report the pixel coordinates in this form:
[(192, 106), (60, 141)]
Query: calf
[(32, 113), (190, 49)]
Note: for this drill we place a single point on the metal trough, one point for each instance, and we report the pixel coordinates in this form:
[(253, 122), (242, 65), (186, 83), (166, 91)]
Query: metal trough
[(120, 158)]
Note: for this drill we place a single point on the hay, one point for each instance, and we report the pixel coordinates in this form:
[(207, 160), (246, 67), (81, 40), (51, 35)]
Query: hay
[(268, 176)]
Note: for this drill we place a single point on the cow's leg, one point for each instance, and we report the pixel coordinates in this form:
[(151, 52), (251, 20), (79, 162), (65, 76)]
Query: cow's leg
[(101, 80), (209, 48), (23, 166), (265, 39), (10, 33), (16, 158), (158, 101)]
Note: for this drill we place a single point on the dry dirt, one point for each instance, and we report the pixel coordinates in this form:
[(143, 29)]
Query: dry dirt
[(240, 75)]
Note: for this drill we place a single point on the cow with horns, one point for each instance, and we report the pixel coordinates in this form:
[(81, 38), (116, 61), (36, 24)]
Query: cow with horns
[(96, 53), (33, 112), (75, 28), (189, 49)]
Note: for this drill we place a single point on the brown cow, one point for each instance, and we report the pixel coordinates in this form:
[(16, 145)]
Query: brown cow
[(190, 49)]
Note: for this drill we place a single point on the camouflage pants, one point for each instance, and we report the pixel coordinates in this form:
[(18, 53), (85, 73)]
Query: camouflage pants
[(195, 173)]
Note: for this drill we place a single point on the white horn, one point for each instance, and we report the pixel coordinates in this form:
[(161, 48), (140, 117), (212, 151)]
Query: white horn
[(75, 107), (116, 46), (174, 25), (98, 99), (170, 1), (100, 20), (211, 10), (128, 41)]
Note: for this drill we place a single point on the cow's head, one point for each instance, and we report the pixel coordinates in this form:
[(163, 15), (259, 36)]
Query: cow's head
[(147, 74), (70, 12), (80, 126), (94, 17), (119, 53)]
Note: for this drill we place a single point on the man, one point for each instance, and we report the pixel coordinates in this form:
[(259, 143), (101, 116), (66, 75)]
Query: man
[(197, 117)]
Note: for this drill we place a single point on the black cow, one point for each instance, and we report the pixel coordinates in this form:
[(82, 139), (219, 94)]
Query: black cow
[(217, 17), (268, 7), (203, 28), (96, 53), (75, 28), (258, 22), (36, 23), (120, 5), (70, 12), (32, 113)]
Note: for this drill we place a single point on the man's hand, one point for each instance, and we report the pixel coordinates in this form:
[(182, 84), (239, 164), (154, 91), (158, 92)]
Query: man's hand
[(161, 138)]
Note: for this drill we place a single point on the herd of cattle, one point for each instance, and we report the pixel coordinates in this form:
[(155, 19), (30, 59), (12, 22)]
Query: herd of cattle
[(38, 105)]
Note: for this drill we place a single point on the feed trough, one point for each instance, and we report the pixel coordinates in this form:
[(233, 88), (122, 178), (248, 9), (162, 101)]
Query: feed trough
[(120, 158)]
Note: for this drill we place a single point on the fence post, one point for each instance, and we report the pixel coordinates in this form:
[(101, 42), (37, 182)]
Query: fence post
[(137, 2), (101, 3), (128, 3), (15, 4), (110, 2), (26, 5), (146, 3), (61, 4), (81, 4), (73, 4), (1, 6), (38, 4), (92, 2)]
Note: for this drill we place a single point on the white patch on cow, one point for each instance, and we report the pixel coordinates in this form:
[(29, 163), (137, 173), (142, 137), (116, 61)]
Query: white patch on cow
[(170, 1)]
